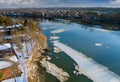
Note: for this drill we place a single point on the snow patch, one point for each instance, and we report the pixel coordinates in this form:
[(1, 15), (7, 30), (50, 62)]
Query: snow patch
[(13, 58), (17, 79), (4, 64), (9, 80), (8, 45), (4, 47)]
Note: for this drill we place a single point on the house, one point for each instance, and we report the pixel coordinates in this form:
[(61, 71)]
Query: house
[(5, 50), (9, 69), (8, 29)]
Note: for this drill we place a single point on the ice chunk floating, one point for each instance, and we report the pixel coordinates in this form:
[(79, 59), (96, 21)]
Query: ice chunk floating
[(98, 44), (88, 66), (54, 37), (58, 31)]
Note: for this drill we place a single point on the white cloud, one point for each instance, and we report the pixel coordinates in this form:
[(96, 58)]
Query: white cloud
[(117, 2), (30, 3), (54, 3)]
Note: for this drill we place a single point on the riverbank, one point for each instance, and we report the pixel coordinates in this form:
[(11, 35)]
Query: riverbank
[(31, 47), (89, 22)]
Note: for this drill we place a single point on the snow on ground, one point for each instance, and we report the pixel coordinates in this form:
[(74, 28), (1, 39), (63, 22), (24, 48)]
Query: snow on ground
[(7, 44), (9, 80), (13, 58), (61, 75), (4, 47), (22, 66), (88, 66), (27, 49), (22, 58), (7, 37), (4, 64), (17, 79), (58, 31)]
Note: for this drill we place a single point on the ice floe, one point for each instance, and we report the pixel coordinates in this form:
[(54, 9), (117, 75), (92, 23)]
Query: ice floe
[(61, 75), (107, 46), (88, 67), (54, 37), (57, 50), (51, 27), (102, 30), (58, 31), (98, 44), (48, 58)]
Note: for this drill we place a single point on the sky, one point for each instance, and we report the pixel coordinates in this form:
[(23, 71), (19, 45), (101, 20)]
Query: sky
[(58, 3)]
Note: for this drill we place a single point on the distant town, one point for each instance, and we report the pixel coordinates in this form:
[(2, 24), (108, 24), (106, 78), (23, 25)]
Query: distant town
[(109, 18)]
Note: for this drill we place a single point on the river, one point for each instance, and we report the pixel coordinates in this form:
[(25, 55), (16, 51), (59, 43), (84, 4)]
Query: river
[(94, 49)]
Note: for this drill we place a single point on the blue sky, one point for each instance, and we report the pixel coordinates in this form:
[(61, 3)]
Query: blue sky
[(58, 3)]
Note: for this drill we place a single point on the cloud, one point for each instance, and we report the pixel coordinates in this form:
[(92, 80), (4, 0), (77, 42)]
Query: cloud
[(22, 3), (56, 3), (30, 3), (116, 2)]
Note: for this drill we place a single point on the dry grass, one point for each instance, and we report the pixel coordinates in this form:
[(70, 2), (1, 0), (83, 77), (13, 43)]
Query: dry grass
[(31, 29)]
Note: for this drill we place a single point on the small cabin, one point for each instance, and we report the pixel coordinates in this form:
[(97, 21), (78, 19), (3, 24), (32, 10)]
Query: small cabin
[(5, 50)]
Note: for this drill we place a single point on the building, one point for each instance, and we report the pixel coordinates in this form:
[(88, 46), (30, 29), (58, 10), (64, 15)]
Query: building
[(5, 50)]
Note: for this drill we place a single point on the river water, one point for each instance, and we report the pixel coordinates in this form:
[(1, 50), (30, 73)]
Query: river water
[(100, 47)]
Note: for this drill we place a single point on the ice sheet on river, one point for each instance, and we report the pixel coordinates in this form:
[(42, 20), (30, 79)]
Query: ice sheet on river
[(58, 31), (98, 44), (102, 30), (88, 66), (51, 27), (51, 68), (54, 37)]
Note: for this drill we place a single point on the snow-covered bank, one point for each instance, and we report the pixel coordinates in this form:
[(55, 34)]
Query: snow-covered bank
[(88, 66), (26, 49), (58, 31), (61, 75)]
